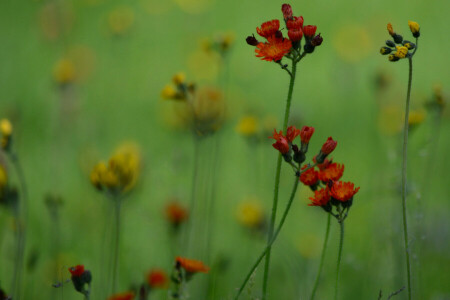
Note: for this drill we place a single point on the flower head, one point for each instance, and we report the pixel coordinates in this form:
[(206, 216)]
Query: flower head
[(179, 78), (309, 177), (286, 9), (122, 296), (191, 265), (329, 146), (321, 197), (306, 134), (415, 28), (274, 49), (248, 126), (157, 278), (176, 214), (343, 191), (250, 214), (309, 31), (295, 23), (282, 143), (64, 71), (295, 35), (77, 270), (268, 28), (332, 172), (401, 52), (292, 133)]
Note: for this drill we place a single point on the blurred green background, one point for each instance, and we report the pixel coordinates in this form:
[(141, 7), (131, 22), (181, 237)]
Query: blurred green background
[(122, 53)]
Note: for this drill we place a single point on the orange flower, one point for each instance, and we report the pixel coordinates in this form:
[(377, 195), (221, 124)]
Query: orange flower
[(274, 49), (343, 191), (295, 35), (329, 146), (390, 29), (286, 9), (282, 143), (191, 265), (321, 197), (295, 23), (157, 278), (309, 31), (76, 271), (268, 28), (176, 214), (306, 134), (332, 172), (292, 133), (122, 296), (325, 163), (309, 177)]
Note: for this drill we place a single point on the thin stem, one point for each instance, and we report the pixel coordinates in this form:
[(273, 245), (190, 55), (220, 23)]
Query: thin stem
[(277, 181), (116, 242), (322, 258), (341, 243), (405, 158), (268, 247)]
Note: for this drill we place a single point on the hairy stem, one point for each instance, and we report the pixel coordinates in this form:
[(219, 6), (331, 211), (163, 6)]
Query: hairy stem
[(277, 181), (341, 243), (325, 242)]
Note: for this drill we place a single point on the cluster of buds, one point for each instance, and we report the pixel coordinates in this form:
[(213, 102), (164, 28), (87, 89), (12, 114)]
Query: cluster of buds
[(80, 278), (398, 48), (120, 174), (183, 271), (176, 215), (276, 46), (179, 90), (6, 131)]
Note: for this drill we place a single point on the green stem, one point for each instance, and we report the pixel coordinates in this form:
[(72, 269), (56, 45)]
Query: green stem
[(405, 158), (269, 245), (277, 181), (325, 242), (116, 242), (341, 243)]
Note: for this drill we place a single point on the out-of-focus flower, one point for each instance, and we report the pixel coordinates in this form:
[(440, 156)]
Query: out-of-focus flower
[(157, 279), (120, 20), (3, 181), (208, 111), (176, 214), (221, 43), (248, 126), (64, 72), (343, 191), (6, 130), (332, 172), (251, 214), (346, 35), (122, 296), (80, 277), (191, 265), (56, 19), (416, 117)]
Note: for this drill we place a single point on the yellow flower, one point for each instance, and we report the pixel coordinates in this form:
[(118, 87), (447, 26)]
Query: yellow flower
[(6, 127), (208, 111), (390, 29), (416, 117), (414, 27), (168, 92), (179, 78), (401, 52), (250, 214), (248, 126), (3, 179), (64, 71), (120, 20)]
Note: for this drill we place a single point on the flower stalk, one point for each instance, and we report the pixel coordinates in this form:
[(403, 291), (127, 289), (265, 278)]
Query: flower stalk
[(322, 257)]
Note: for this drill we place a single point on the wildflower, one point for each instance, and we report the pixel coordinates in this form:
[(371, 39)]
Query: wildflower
[(251, 215), (274, 49), (80, 277), (309, 31), (64, 72), (157, 279), (169, 92), (286, 9), (179, 78), (208, 111), (6, 130), (416, 117), (401, 52), (176, 214), (248, 126), (292, 133), (327, 148), (268, 29), (321, 198), (415, 28), (343, 191), (191, 266), (282, 143), (390, 29), (295, 35), (123, 296), (306, 134), (333, 172), (309, 177), (317, 40), (295, 23)]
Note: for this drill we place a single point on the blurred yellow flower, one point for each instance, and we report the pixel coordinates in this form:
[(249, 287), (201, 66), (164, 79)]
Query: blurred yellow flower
[(64, 71), (416, 117), (179, 78), (390, 119), (120, 20), (309, 246), (6, 131), (344, 41), (248, 126), (208, 110), (203, 65), (250, 213), (3, 179), (168, 92)]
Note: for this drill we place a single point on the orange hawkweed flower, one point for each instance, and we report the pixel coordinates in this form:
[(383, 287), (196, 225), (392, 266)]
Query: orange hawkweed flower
[(292, 133), (321, 197), (286, 9), (191, 265), (343, 191), (309, 31), (295, 35), (333, 172), (306, 134), (282, 143), (268, 28), (329, 146), (76, 271), (176, 214), (157, 278), (309, 177), (295, 23), (122, 296), (274, 49)]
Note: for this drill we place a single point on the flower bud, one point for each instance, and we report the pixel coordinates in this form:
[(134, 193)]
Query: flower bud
[(415, 28), (295, 23), (295, 35), (390, 29), (329, 146), (309, 48), (385, 50), (306, 134), (317, 40), (309, 31), (251, 40), (393, 58), (287, 11), (398, 38), (390, 43)]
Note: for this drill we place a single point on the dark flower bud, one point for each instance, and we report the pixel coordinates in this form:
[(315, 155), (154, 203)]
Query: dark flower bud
[(308, 47), (393, 58), (86, 277), (299, 157), (390, 43), (409, 45), (278, 34), (287, 157), (398, 38), (347, 203), (385, 50), (317, 40), (251, 40)]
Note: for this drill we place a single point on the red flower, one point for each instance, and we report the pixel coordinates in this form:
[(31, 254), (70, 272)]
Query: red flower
[(122, 296), (287, 11), (343, 191), (268, 28), (321, 197), (332, 172), (292, 133), (309, 31), (295, 23), (176, 214), (325, 163), (274, 49), (157, 279), (192, 265), (282, 143), (329, 146), (309, 177), (295, 35), (76, 271), (306, 134)]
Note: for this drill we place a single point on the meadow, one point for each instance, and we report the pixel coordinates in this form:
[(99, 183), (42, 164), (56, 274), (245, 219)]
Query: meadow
[(82, 82)]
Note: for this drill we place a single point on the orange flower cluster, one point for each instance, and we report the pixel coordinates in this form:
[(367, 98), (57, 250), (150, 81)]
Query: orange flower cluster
[(191, 265), (276, 45)]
